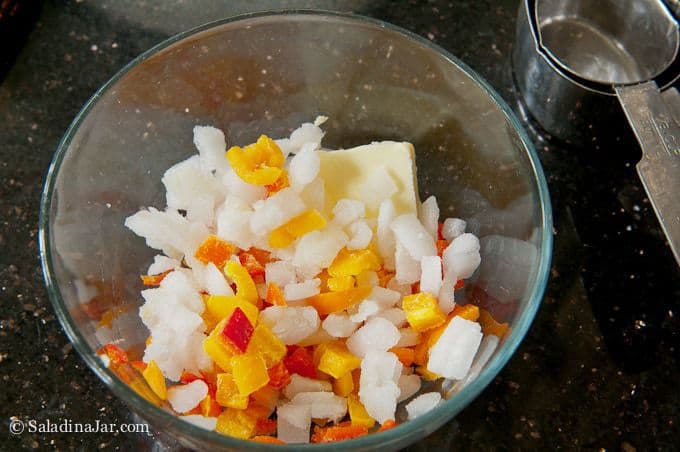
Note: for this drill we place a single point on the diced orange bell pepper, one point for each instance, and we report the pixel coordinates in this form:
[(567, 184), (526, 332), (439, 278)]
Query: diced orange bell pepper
[(337, 361), (250, 373), (275, 295), (330, 302), (344, 385), (236, 423), (422, 311), (384, 276), (139, 365), (352, 263), (210, 407), (388, 424), (267, 439), (279, 376), (154, 377), (228, 394), (265, 427), (338, 432), (154, 280), (491, 326), (308, 221), (279, 184), (405, 355), (357, 413), (245, 286), (459, 284), (265, 398), (187, 377), (466, 311), (215, 250), (116, 354), (259, 163), (300, 361), (441, 246), (251, 264), (266, 344)]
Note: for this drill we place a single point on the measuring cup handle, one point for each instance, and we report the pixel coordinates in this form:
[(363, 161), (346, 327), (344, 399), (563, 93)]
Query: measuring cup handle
[(658, 133)]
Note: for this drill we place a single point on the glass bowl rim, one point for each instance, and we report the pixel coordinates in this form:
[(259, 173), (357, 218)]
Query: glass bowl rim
[(392, 436)]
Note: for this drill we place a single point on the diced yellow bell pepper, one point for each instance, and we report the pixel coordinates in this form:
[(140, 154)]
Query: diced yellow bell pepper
[(222, 306), (265, 343), (259, 163), (250, 373), (154, 377), (422, 311), (227, 393), (344, 385), (236, 423), (352, 263), (357, 413), (330, 302), (367, 278), (426, 374), (217, 348), (340, 283), (491, 325), (267, 398), (245, 286), (306, 222), (210, 407), (337, 361), (467, 311)]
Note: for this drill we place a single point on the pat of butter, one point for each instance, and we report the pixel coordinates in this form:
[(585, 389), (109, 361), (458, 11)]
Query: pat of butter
[(371, 173)]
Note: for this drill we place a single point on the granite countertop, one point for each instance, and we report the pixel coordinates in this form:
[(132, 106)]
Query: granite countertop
[(599, 367)]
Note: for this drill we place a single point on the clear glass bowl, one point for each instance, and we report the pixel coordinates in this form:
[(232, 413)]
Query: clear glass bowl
[(267, 73)]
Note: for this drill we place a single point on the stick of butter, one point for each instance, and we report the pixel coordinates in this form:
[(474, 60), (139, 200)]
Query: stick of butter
[(371, 173)]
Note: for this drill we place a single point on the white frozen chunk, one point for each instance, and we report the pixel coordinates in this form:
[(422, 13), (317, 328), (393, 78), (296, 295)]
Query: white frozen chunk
[(453, 228), (377, 187), (360, 235), (291, 324), (339, 325), (408, 385), (324, 404), (162, 264), (377, 334), (411, 234), (202, 210), (429, 216), (461, 258), (207, 423), (175, 353), (215, 282), (183, 398), (293, 422), (407, 268), (167, 231), (431, 274), (486, 349), (300, 384), (318, 337), (303, 168), (275, 211), (446, 297), (242, 190), (212, 147), (452, 354), (281, 273), (186, 181), (307, 133), (367, 308), (385, 236), (378, 389), (302, 290), (318, 248), (233, 223), (422, 404), (402, 289), (395, 316), (408, 337), (347, 211)]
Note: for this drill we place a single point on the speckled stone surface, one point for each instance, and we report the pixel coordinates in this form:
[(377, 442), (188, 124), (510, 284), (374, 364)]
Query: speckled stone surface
[(598, 369)]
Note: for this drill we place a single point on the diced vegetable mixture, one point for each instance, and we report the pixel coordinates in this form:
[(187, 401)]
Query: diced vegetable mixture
[(301, 293)]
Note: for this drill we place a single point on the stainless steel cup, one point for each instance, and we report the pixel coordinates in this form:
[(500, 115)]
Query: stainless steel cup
[(576, 61)]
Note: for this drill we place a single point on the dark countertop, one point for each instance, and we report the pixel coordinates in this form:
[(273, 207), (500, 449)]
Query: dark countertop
[(599, 367)]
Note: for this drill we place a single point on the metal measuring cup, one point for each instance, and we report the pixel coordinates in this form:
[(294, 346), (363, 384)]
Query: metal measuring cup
[(576, 60)]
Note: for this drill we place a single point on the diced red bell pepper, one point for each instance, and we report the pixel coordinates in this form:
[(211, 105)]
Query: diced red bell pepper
[(440, 226), (238, 330), (441, 246), (116, 354), (300, 362), (265, 426), (459, 284), (279, 376), (188, 377), (267, 439)]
